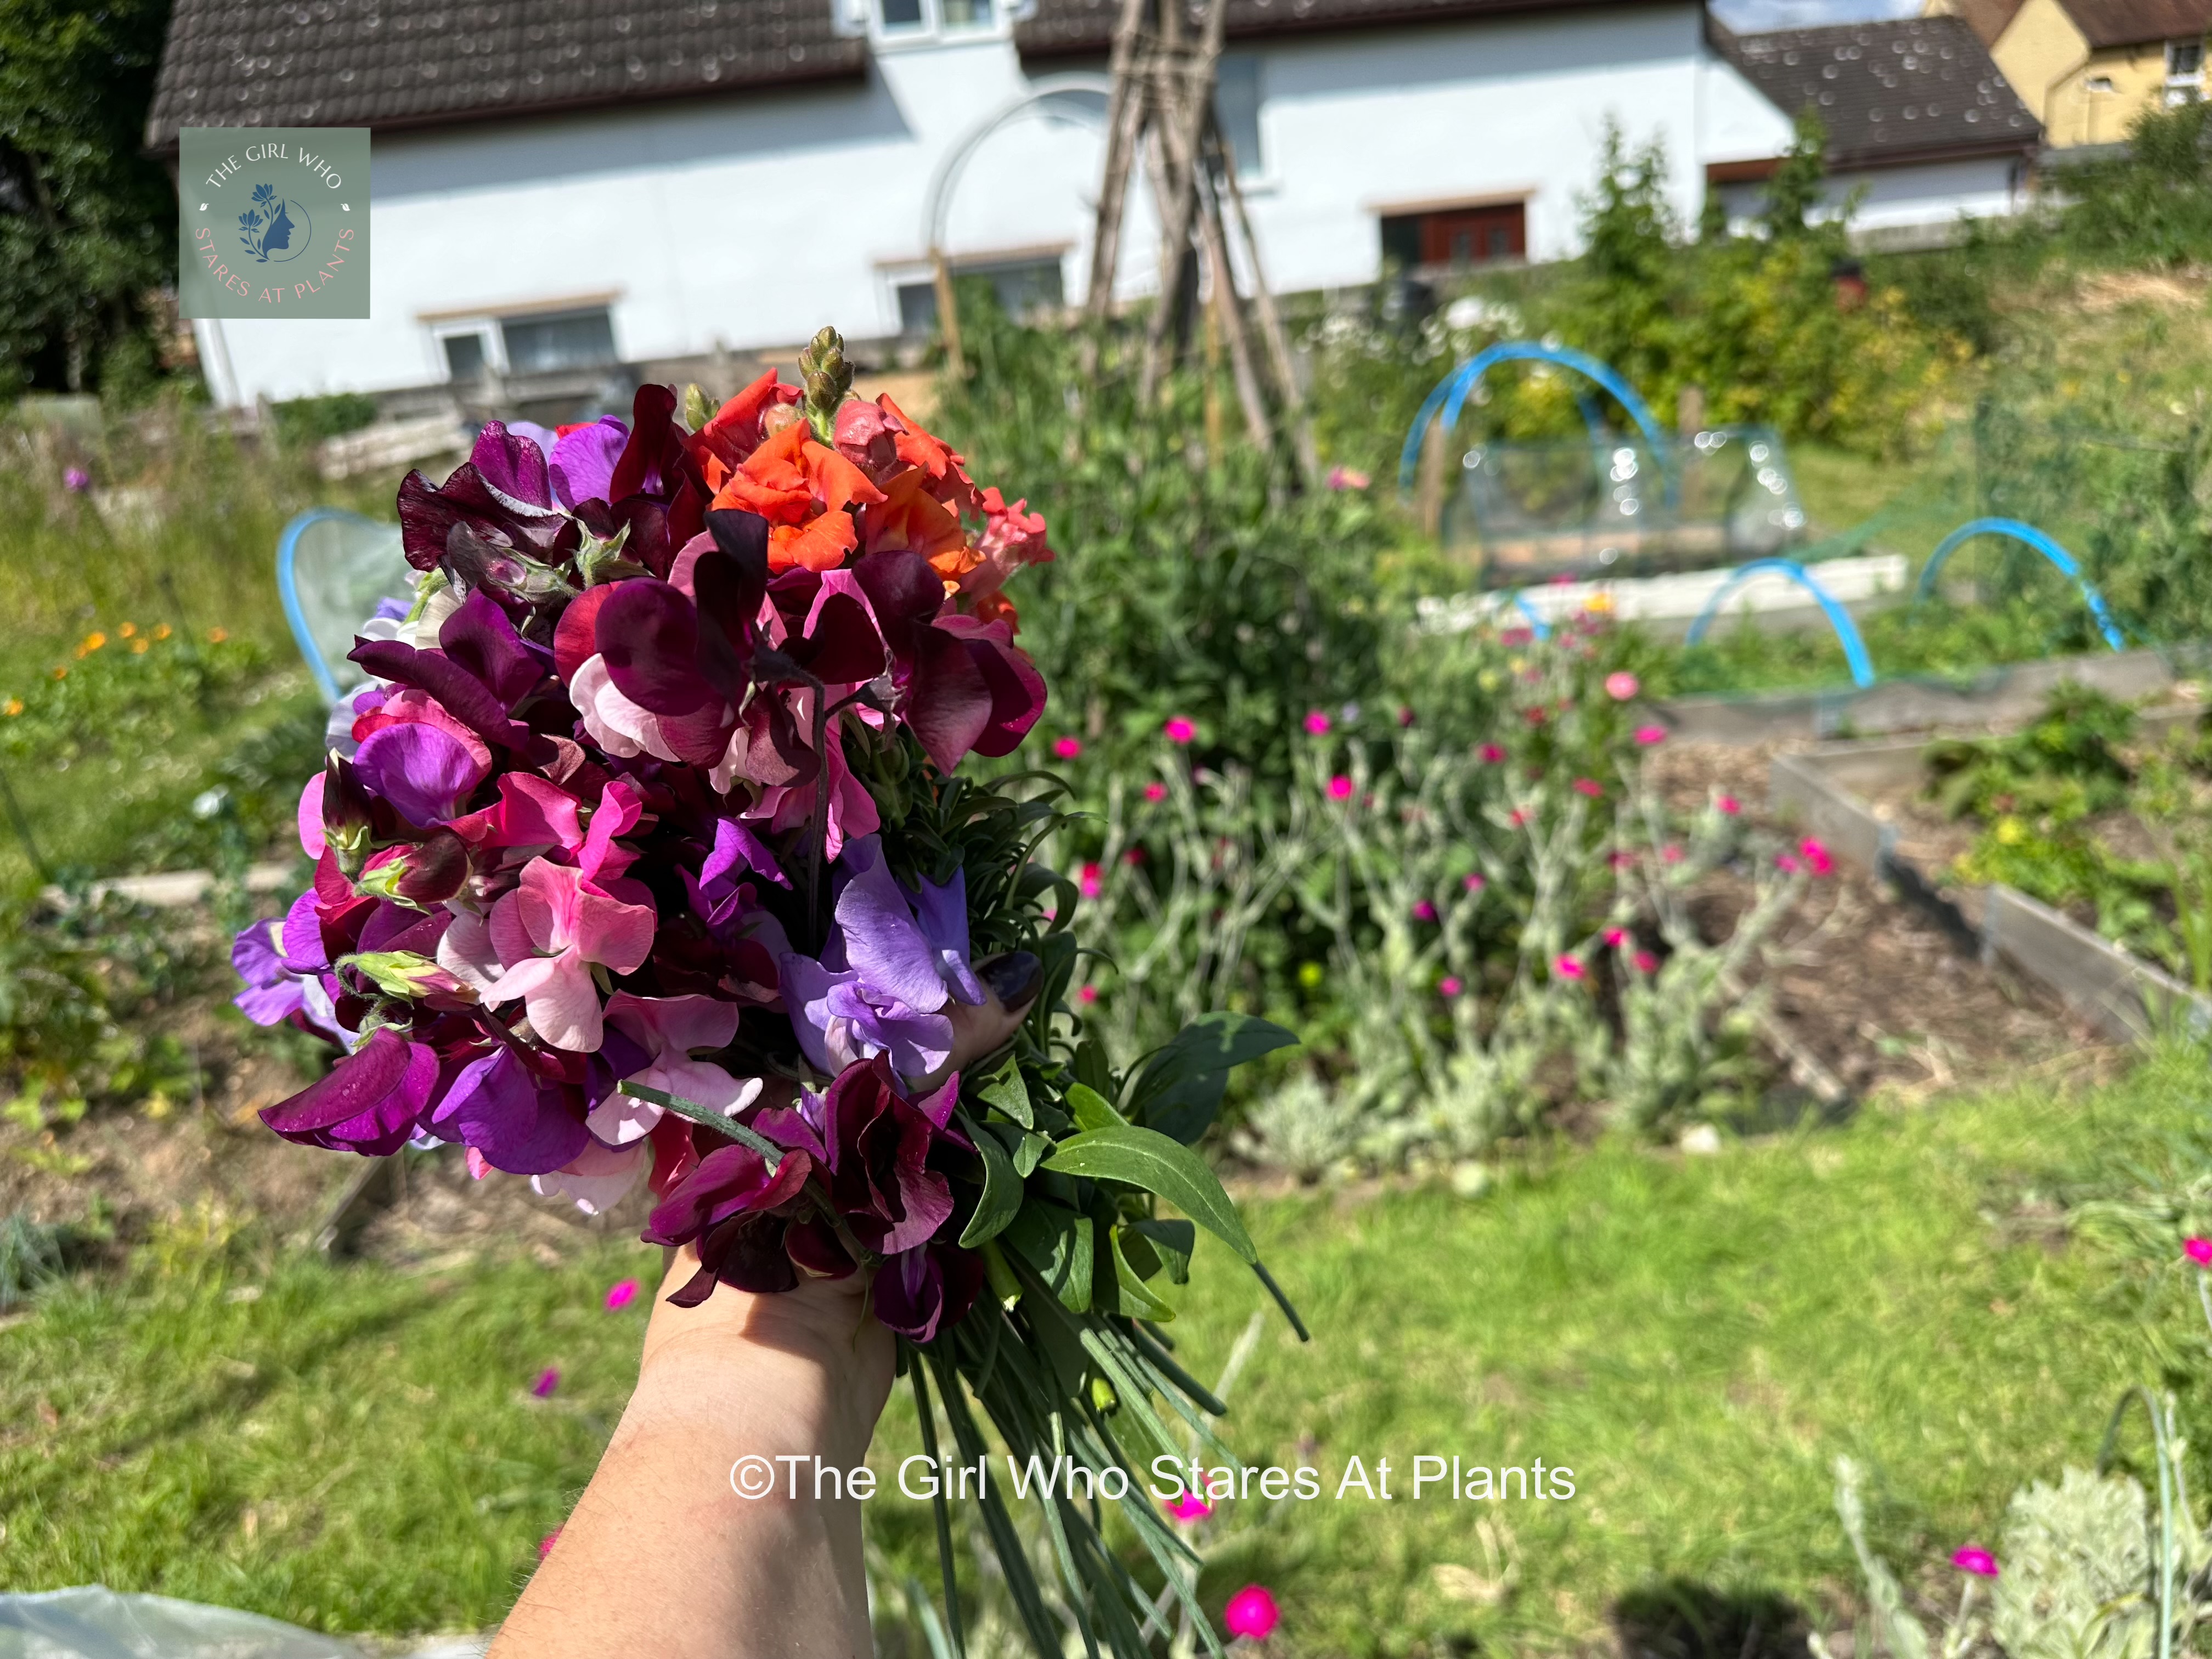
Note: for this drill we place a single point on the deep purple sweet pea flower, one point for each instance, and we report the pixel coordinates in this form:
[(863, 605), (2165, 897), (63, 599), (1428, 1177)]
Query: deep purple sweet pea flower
[(880, 983), (920, 1291), (424, 773), (282, 964), (371, 1102), (522, 1123), (583, 461)]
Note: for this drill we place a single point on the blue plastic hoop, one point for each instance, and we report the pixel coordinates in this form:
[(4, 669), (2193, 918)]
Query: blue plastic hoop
[(1450, 395), (2029, 535), (288, 590), (1537, 625), (1847, 632)]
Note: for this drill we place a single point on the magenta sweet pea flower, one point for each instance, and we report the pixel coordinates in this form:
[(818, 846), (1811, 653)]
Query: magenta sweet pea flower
[(371, 1102), (1251, 1614), (1621, 685), (1067, 748), (1179, 730), (1317, 723), (621, 1294), (1975, 1561)]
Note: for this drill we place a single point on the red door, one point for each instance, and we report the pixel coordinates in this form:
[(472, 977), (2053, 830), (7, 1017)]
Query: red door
[(1474, 236)]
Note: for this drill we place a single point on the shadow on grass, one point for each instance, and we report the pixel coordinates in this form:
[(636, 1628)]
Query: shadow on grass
[(1677, 1619)]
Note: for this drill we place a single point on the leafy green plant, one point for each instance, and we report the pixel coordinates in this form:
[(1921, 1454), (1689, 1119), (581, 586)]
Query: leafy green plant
[(2065, 766)]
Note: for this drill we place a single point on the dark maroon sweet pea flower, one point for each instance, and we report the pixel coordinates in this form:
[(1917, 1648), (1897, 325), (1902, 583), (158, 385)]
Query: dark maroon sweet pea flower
[(881, 1146), (371, 1102), (927, 1289), (728, 1206), (474, 500)]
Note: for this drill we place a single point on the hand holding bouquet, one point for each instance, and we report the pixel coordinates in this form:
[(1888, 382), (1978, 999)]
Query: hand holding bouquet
[(652, 864)]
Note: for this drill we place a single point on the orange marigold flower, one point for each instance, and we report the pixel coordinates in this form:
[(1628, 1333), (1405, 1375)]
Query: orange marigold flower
[(12, 708), (138, 647), (217, 635), (91, 643), (128, 629), (802, 488), (161, 630), (61, 674)]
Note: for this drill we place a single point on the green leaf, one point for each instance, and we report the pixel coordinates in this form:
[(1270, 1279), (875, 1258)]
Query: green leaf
[(1092, 1069), (1002, 1194), (1092, 1110), (1137, 1298), (1056, 1242), (1030, 1153), (1180, 1089), (1174, 1240), (1147, 1159), (1006, 1091)]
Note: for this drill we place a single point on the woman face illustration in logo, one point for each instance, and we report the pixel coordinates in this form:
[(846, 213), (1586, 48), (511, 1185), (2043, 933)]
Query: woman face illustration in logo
[(275, 229)]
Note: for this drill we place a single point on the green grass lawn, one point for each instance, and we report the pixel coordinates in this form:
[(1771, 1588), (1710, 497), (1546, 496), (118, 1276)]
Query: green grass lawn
[(1697, 1340)]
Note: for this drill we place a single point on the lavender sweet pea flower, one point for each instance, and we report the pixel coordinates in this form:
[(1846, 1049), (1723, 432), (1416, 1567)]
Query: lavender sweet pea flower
[(583, 461), (942, 910), (282, 962), (879, 987)]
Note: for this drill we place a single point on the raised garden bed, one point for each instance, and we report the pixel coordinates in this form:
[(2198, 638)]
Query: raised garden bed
[(1869, 802)]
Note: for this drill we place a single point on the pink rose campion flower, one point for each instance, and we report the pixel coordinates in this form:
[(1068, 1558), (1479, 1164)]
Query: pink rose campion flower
[(1340, 787), (1425, 911), (1589, 787), (1786, 863), (1569, 967), (1092, 882), (1317, 723), (1727, 806), (1472, 881), (1067, 748), (1621, 685), (1188, 1508), (1087, 995), (1616, 937), (1450, 985), (548, 1380), (1490, 754), (1156, 792), (1817, 857), (1648, 735), (2198, 1250), (1251, 1614), (1179, 730), (1644, 962), (621, 1294), (1975, 1561)]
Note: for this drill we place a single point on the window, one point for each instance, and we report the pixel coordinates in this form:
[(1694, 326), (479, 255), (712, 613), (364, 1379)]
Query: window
[(1458, 236), (573, 339), (1236, 107), (923, 20), (465, 356), (1021, 285), (2184, 60), (2098, 83)]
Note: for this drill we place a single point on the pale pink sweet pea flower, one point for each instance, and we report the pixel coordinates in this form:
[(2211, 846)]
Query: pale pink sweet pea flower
[(1252, 1614), (1976, 1560), (546, 935), (1179, 730)]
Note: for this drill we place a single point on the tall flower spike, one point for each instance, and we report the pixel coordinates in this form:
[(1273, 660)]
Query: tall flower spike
[(829, 377)]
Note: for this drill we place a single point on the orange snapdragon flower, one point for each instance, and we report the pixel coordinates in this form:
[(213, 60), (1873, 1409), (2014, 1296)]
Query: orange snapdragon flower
[(802, 488)]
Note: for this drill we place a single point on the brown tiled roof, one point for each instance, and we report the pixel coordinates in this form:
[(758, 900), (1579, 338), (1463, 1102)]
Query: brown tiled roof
[(2133, 22), (392, 64), (1066, 28), (1987, 18), (1902, 90)]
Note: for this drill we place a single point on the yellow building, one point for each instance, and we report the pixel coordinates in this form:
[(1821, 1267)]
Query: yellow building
[(2087, 68)]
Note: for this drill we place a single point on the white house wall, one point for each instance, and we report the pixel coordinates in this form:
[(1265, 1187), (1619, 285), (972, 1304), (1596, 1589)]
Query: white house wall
[(1880, 199), (753, 218)]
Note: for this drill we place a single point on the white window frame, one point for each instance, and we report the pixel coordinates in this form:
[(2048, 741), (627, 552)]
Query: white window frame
[(863, 19), (2183, 86), (485, 328)]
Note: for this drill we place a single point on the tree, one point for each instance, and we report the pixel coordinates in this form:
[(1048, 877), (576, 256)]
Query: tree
[(87, 218), (1794, 190)]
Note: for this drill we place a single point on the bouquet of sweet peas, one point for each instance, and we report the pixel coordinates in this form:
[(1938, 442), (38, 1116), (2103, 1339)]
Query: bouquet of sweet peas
[(651, 863)]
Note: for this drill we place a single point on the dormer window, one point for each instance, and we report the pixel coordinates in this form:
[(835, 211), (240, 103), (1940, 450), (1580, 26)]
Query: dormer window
[(904, 21)]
